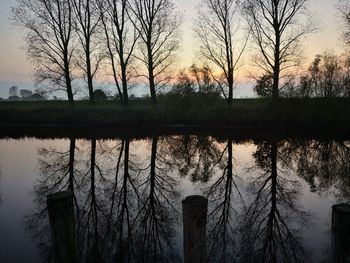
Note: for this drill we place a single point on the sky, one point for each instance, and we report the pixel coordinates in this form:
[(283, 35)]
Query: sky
[(15, 69)]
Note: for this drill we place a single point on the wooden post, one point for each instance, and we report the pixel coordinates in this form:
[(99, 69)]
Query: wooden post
[(62, 224), (194, 209), (341, 233)]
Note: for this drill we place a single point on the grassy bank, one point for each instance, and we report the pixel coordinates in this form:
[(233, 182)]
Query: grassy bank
[(259, 113)]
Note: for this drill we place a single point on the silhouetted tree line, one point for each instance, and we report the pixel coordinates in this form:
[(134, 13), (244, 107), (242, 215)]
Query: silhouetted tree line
[(135, 41), (24, 94), (328, 76), (69, 39)]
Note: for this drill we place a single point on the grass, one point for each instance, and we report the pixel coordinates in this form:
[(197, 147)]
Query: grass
[(254, 113)]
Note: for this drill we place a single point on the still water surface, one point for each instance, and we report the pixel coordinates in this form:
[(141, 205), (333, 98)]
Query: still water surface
[(269, 201)]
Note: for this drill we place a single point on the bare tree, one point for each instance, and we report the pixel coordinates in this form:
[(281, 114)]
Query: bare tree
[(49, 40), (120, 39), (87, 21), (277, 27), (215, 29), (344, 8), (156, 23)]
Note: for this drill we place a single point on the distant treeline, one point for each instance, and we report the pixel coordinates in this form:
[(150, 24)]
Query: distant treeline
[(136, 41), (16, 94)]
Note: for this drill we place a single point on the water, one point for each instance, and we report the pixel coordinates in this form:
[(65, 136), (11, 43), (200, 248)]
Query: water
[(269, 201)]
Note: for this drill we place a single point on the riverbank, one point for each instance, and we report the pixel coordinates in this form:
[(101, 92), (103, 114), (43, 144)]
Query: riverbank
[(298, 114)]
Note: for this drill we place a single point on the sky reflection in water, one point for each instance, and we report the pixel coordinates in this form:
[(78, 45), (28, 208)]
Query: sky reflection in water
[(268, 200)]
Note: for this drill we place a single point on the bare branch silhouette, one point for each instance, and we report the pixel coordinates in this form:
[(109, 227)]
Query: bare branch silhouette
[(276, 28), (50, 40), (157, 24), (120, 39), (87, 20), (216, 29)]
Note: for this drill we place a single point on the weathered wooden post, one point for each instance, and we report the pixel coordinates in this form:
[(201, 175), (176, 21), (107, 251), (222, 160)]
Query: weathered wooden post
[(341, 233), (194, 209), (62, 224)]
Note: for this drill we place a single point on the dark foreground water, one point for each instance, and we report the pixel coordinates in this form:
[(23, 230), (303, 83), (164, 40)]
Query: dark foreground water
[(269, 201)]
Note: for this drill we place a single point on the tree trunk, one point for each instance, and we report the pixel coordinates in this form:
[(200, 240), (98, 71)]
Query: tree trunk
[(230, 88), (71, 164), (152, 90), (230, 158), (276, 78), (274, 174), (277, 65), (69, 91), (123, 66), (68, 80), (125, 86), (154, 155), (151, 76), (89, 74)]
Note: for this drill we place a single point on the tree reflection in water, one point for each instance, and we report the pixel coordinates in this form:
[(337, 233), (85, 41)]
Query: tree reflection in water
[(225, 201), (157, 214), (56, 173), (325, 165), (124, 212), (272, 222), (92, 211), (127, 204), (124, 199), (194, 155)]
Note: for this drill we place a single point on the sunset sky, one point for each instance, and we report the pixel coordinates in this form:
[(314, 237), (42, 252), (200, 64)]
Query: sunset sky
[(16, 70)]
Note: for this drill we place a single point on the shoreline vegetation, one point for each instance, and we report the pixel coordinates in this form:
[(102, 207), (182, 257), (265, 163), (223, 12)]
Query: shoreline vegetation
[(331, 115)]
